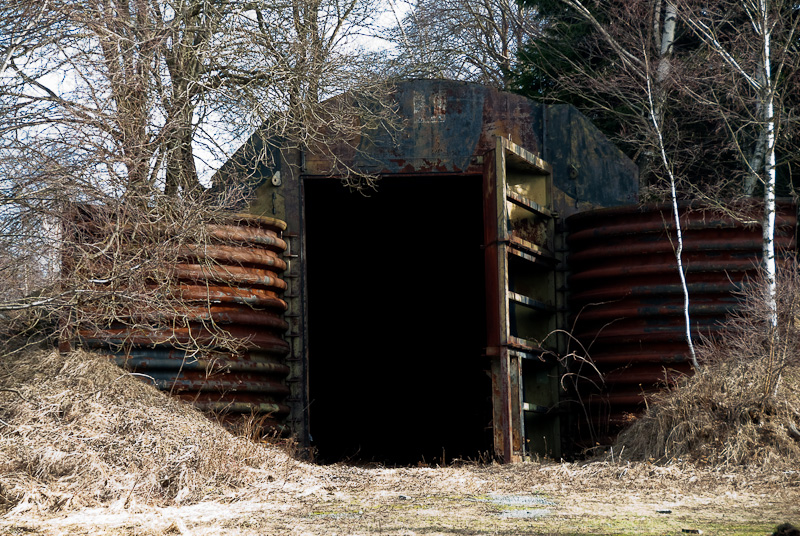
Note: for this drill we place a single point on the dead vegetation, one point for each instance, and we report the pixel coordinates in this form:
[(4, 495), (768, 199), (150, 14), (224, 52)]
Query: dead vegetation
[(743, 406), (86, 448), (720, 417), (77, 431)]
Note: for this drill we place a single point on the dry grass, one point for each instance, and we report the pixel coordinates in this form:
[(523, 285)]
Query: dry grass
[(719, 417), (743, 406), (85, 448), (77, 431), (574, 498)]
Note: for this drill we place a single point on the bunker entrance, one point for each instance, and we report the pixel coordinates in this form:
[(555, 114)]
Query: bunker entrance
[(396, 316)]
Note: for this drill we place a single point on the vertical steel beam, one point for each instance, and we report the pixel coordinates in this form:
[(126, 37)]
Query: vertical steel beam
[(515, 401), (497, 312), (292, 190)]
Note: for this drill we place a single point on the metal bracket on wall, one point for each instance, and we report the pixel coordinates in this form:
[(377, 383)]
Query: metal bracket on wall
[(292, 297)]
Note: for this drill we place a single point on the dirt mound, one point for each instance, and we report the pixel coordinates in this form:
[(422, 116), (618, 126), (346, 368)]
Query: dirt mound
[(720, 416), (743, 406), (76, 431)]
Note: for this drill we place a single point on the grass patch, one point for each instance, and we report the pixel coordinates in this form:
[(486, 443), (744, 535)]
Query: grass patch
[(77, 431)]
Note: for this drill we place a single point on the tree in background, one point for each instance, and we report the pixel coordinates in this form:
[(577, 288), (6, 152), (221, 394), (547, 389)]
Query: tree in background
[(700, 92), (592, 55), (110, 108), (473, 40)]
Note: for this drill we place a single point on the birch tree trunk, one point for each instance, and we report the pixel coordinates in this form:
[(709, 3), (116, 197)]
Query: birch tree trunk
[(655, 97), (768, 107), (664, 61), (655, 118), (768, 226), (762, 16)]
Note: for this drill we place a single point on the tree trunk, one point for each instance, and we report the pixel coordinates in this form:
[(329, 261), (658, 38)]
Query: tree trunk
[(768, 98)]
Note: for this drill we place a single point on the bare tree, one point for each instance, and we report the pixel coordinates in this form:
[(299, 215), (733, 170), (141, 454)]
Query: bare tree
[(475, 40), (109, 109), (730, 69), (313, 52)]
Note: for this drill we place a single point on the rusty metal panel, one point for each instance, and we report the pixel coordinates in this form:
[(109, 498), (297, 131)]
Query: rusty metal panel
[(497, 330), (627, 300), (277, 191), (588, 170), (496, 237), (502, 417), (516, 395), (519, 292), (448, 127), (234, 284)]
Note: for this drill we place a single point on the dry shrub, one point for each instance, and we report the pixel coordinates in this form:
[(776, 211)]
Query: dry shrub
[(743, 406), (77, 431), (717, 417)]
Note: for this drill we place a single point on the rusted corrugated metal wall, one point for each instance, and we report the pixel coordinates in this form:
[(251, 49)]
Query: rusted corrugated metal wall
[(229, 287), (627, 301)]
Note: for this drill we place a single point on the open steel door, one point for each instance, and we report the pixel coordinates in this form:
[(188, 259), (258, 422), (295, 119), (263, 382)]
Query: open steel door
[(521, 312)]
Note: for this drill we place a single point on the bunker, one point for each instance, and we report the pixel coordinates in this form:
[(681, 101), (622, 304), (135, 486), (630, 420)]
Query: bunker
[(498, 294), (424, 315)]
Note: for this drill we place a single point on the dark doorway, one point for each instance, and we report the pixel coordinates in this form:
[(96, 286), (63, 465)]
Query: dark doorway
[(396, 307)]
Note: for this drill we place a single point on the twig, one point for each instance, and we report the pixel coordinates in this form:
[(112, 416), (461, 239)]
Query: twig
[(6, 389), (128, 498)]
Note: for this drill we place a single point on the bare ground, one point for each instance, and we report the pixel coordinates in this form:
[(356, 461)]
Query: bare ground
[(531, 498)]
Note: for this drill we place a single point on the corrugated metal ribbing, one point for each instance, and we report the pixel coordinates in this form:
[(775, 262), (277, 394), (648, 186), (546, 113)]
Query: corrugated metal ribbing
[(626, 298), (229, 286)]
